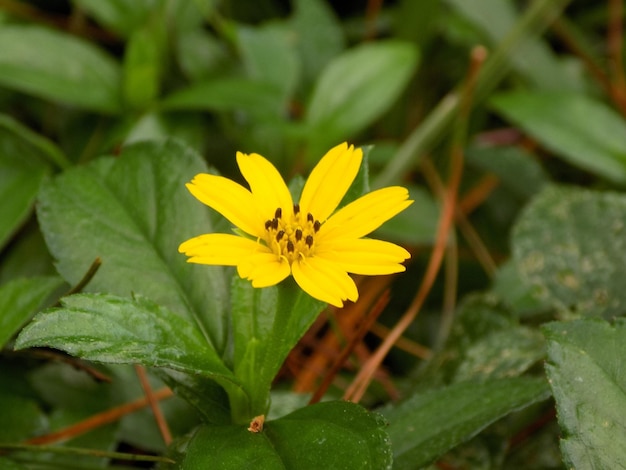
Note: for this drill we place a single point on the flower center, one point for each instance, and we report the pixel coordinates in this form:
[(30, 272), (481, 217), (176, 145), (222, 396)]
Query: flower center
[(294, 238)]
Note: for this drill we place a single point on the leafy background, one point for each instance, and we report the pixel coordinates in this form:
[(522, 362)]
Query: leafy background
[(499, 347)]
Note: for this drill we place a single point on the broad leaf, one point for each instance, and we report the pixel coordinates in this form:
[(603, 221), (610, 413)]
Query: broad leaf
[(106, 328), (19, 299), (59, 67), (585, 368), (133, 212), (337, 435), (429, 424), (355, 88), (565, 258), (267, 324), (584, 132)]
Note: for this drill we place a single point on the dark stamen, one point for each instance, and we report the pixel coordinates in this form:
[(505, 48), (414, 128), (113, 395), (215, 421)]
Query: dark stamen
[(268, 224), (298, 235), (316, 226), (309, 217), (290, 247), (280, 235), (309, 240), (274, 224), (279, 213), (296, 209)]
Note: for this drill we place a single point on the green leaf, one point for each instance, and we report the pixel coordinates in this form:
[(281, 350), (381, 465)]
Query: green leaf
[(534, 59), (20, 418), (319, 35), (429, 424), (568, 246), (207, 396), (59, 67), (106, 328), (200, 54), (142, 67), (269, 57), (267, 324), (486, 342), (19, 299), (19, 140), (507, 352), (337, 435), (585, 368), (133, 212), (7, 464), (355, 88), (516, 169), (582, 131), (121, 16), (231, 94), (25, 159)]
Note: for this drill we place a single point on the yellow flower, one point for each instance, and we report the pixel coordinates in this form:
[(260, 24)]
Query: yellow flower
[(308, 240)]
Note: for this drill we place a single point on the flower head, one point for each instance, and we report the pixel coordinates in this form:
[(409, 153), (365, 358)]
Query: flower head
[(308, 240)]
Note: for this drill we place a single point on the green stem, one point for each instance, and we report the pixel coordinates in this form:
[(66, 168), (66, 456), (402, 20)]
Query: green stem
[(439, 122)]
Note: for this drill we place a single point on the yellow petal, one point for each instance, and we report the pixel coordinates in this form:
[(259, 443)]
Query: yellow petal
[(366, 214), (219, 249), (267, 186), (324, 280), (329, 181), (264, 269), (230, 199), (365, 256)]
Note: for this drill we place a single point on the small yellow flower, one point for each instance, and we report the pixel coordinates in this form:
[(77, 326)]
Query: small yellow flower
[(309, 240)]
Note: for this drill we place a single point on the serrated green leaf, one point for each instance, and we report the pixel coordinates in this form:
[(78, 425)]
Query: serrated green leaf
[(133, 212), (337, 435), (267, 324), (19, 299), (569, 247), (429, 424), (585, 368), (59, 67), (110, 329), (582, 131), (355, 88)]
